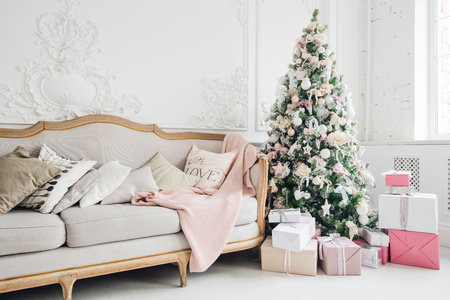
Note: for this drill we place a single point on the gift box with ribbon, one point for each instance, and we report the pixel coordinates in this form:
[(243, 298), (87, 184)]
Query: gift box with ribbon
[(414, 249), (383, 253), (285, 261), (284, 215), (397, 178), (339, 256), (412, 213), (375, 237), (294, 236), (370, 256)]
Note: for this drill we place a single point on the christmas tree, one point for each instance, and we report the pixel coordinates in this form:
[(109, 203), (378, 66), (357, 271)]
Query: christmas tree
[(314, 155)]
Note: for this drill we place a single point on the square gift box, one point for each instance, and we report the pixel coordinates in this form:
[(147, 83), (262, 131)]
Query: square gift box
[(414, 249), (375, 237), (294, 236), (397, 178), (370, 256), (339, 256), (284, 261), (280, 215), (383, 253), (412, 213)]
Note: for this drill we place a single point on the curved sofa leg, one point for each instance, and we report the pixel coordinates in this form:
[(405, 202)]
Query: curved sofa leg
[(67, 281), (183, 260)]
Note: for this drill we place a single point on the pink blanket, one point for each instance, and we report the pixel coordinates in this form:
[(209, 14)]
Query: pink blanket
[(207, 221)]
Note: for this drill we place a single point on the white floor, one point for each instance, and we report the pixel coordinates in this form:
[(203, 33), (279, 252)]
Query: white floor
[(239, 276)]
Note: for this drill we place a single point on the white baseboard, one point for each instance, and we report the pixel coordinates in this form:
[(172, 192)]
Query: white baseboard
[(444, 236)]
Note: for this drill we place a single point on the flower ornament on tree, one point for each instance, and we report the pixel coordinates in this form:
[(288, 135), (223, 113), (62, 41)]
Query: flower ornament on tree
[(315, 159)]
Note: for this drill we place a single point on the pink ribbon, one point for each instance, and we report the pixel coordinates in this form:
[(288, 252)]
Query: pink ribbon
[(403, 211)]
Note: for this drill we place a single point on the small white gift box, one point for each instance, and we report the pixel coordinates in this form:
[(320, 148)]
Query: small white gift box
[(375, 237), (294, 236), (370, 257), (284, 215)]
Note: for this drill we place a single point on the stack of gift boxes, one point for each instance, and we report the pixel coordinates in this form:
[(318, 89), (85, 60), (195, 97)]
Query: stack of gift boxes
[(412, 222), (295, 247)]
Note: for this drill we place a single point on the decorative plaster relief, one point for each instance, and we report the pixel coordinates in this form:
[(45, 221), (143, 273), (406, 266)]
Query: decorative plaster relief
[(66, 83), (226, 100)]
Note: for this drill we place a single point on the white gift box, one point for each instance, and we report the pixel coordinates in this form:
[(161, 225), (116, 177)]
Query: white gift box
[(370, 257), (412, 213), (280, 215), (375, 237), (294, 236)]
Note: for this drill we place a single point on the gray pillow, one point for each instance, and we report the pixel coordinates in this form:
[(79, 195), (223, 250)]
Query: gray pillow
[(77, 191), (20, 176)]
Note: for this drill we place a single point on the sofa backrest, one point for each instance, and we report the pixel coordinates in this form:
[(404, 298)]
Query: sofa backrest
[(105, 138)]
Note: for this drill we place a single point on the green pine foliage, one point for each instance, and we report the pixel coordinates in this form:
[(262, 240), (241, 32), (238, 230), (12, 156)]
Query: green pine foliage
[(314, 155)]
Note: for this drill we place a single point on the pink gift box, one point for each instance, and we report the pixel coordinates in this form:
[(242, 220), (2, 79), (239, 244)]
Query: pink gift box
[(339, 256), (414, 248), (383, 253), (397, 179)]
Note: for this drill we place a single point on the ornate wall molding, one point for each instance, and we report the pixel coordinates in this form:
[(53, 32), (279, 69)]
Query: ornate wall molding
[(66, 83), (226, 100)]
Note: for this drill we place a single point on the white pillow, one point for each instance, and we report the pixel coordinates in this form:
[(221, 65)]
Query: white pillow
[(49, 194), (140, 180), (112, 174)]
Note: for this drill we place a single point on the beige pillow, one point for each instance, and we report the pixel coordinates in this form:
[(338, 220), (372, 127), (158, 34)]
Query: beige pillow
[(167, 176), (20, 176), (211, 167)]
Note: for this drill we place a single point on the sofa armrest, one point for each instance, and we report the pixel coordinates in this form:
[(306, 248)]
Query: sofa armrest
[(261, 193)]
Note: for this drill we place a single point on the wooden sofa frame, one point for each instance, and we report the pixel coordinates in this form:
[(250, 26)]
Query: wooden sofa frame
[(67, 277)]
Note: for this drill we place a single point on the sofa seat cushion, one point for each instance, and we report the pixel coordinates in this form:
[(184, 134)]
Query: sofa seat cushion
[(99, 224), (25, 230)]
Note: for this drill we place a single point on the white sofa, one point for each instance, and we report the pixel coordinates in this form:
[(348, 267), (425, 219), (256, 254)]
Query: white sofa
[(40, 249)]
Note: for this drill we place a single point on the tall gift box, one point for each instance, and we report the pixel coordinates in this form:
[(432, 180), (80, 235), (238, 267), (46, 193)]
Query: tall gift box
[(414, 248), (294, 236), (412, 213), (339, 256), (285, 261)]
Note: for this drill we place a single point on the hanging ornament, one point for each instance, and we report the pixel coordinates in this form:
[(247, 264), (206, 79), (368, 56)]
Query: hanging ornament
[(291, 132), (321, 49), (298, 194), (362, 209), (322, 128), (317, 180), (363, 219), (306, 84), (328, 100), (326, 208), (325, 153), (307, 149), (320, 102), (295, 99), (297, 121)]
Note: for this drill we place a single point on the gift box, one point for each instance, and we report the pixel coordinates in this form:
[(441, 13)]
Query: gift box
[(383, 254), (294, 236), (375, 237), (370, 256), (284, 261), (414, 249), (412, 213), (339, 256), (397, 178), (284, 215)]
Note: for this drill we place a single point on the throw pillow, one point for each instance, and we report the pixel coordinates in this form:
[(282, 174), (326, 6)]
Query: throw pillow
[(211, 167), (167, 176), (20, 176), (78, 190), (112, 174), (140, 180), (48, 195)]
